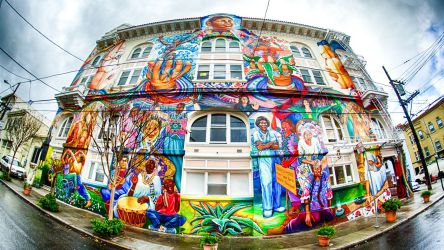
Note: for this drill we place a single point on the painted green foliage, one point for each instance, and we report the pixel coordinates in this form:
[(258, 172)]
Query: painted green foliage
[(221, 220)]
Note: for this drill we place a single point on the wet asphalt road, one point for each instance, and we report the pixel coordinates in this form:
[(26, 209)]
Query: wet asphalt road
[(24, 227), (426, 231)]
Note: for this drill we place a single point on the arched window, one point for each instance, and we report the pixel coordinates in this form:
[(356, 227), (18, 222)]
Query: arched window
[(300, 50), (378, 129), (306, 52), (141, 51), (421, 135), (218, 128), (431, 127), (136, 53), (332, 129), (64, 129), (206, 46), (97, 61), (220, 45), (234, 46), (439, 122)]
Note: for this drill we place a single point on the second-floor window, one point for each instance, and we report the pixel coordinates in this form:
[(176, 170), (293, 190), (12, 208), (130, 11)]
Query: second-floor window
[(86, 80), (129, 77), (141, 51), (332, 129), (312, 76), (421, 135), (438, 146), (98, 60), (431, 127), (64, 129), (300, 50), (427, 151), (439, 122), (220, 45), (377, 129), (219, 71)]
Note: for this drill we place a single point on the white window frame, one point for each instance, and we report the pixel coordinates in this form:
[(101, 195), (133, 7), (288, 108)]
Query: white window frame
[(227, 47), (338, 163), (378, 129), (131, 73), (211, 72), (91, 167), (431, 127), (227, 127), (426, 151), (99, 61), (86, 80), (207, 169), (421, 135), (439, 122), (312, 76), (65, 127), (437, 142), (301, 53), (333, 121), (142, 48)]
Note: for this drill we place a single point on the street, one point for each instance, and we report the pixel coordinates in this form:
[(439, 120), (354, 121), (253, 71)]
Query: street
[(423, 232), (24, 227)]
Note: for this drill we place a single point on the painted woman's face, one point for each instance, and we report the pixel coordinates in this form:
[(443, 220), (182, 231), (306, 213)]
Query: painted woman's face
[(307, 136), (244, 100), (152, 130), (263, 125), (222, 24)]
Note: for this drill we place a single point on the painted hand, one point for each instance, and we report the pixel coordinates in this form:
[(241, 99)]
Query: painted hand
[(163, 75), (143, 199), (308, 219), (134, 179)]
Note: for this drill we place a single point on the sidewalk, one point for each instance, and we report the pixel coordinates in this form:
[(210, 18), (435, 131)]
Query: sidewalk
[(348, 234)]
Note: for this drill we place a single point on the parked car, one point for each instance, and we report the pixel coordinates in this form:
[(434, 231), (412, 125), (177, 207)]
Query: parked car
[(17, 170), (415, 186)]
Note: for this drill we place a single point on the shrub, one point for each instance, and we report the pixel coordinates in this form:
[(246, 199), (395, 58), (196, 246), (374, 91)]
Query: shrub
[(4, 176), (49, 202), (426, 193), (27, 185), (327, 231), (107, 228), (392, 204), (209, 240)]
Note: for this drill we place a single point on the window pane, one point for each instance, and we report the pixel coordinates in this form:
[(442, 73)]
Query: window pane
[(91, 170), (206, 47), (439, 122), (338, 128), (234, 46), (198, 135), (339, 174), (349, 173), (195, 183), (218, 135), (100, 176), (203, 72), (136, 53), (332, 176), (146, 51), (306, 76), (295, 50), (96, 60), (306, 52), (236, 122), (218, 120), (123, 78), (438, 145), (201, 122), (217, 178), (135, 76), (219, 71), (217, 189), (318, 77), (220, 45), (239, 184), (238, 135), (236, 71)]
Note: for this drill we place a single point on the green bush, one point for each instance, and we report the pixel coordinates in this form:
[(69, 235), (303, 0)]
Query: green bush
[(107, 228), (209, 240), (4, 176), (392, 204), (327, 231), (426, 193), (49, 202)]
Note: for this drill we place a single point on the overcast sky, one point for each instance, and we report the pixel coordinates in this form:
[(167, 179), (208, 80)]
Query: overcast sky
[(384, 32)]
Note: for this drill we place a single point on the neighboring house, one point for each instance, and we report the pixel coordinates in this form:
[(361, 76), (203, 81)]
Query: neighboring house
[(29, 152), (429, 126), (232, 115)]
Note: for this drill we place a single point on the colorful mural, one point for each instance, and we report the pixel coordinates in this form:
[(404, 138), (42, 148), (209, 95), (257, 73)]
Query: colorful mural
[(292, 182)]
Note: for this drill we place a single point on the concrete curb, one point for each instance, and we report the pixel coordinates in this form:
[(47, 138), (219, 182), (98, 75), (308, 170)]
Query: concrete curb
[(61, 221), (394, 225)]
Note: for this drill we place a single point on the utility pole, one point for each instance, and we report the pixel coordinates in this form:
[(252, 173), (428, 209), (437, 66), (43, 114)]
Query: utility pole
[(412, 128), (6, 107)]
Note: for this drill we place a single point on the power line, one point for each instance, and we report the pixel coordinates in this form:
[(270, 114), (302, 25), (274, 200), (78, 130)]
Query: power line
[(14, 73), (38, 31), (29, 72)]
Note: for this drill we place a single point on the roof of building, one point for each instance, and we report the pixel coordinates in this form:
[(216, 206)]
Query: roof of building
[(432, 106)]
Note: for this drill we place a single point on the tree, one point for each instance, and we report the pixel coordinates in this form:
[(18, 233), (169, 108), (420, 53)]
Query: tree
[(20, 128), (121, 131)]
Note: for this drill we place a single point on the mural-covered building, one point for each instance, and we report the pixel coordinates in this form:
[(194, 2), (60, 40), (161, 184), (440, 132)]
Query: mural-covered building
[(250, 128)]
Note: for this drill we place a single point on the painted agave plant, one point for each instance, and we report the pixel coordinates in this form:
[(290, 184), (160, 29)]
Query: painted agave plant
[(220, 220)]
